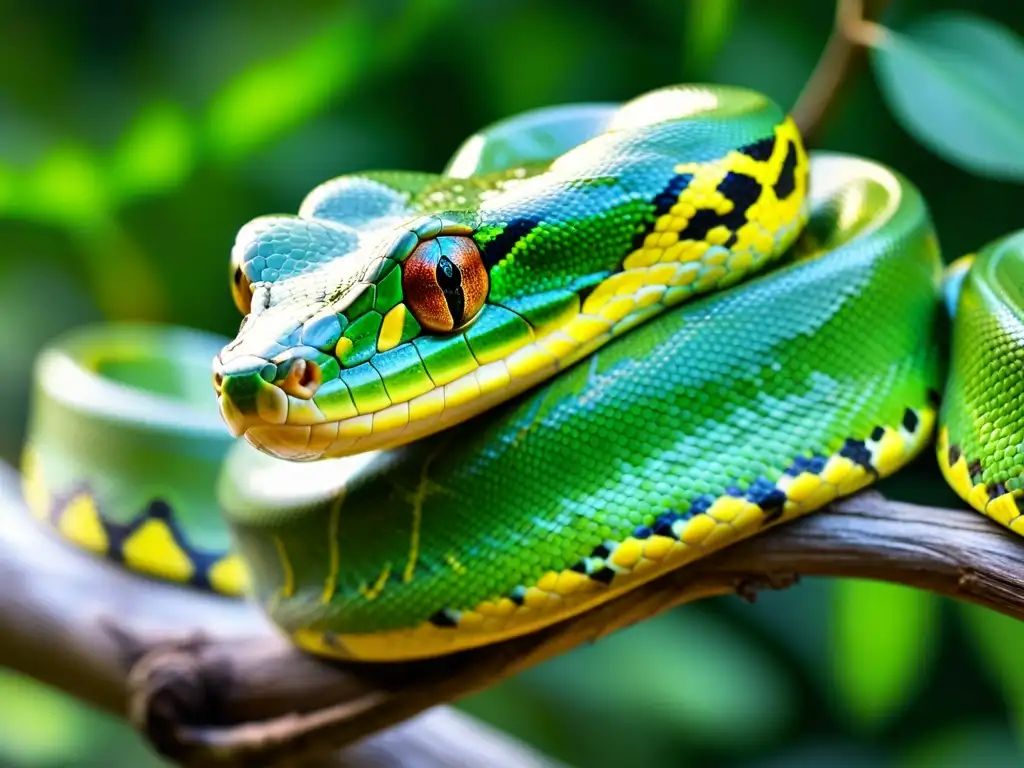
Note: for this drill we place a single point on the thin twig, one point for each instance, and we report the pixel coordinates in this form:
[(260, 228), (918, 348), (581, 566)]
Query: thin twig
[(844, 55)]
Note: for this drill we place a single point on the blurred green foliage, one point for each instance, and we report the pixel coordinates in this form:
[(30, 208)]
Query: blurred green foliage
[(967, 61), (133, 146)]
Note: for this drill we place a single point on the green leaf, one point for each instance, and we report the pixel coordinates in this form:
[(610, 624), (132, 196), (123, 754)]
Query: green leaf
[(38, 725), (155, 153), (280, 93), (708, 25), (42, 726), (113, 259), (8, 190), (66, 187), (883, 644), (953, 82)]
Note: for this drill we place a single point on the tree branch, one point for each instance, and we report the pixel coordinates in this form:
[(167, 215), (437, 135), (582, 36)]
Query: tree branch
[(210, 682), (140, 649), (844, 55)]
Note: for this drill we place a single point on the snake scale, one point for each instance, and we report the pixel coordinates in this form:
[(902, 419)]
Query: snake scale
[(606, 341)]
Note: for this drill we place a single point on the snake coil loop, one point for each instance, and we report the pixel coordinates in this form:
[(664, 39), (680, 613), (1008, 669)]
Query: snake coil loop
[(606, 341)]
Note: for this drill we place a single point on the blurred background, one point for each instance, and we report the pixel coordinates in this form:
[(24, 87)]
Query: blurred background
[(135, 139)]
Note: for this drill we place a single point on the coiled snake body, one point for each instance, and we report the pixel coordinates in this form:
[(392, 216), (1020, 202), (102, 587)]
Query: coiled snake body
[(606, 342)]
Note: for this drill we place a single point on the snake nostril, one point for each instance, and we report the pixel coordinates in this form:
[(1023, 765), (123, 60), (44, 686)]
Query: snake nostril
[(303, 379), (218, 382)]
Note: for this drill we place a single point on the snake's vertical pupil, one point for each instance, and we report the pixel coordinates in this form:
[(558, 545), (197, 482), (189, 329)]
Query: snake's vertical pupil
[(449, 279), (445, 283)]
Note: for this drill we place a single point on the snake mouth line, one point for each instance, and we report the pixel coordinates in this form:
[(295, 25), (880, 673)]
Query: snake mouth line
[(300, 428), (395, 425)]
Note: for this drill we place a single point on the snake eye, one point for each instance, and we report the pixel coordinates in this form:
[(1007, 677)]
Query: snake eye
[(445, 283), (241, 290)]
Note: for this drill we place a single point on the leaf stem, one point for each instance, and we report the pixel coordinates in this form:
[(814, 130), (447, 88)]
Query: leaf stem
[(854, 31)]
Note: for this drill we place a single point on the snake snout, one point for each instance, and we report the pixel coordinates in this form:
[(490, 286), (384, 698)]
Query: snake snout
[(247, 393), (256, 392)]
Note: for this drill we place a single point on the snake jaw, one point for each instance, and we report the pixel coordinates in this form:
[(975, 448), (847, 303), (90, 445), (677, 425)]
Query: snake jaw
[(271, 407), (234, 419)]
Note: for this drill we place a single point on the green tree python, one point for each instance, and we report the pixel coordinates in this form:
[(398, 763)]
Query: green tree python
[(606, 341)]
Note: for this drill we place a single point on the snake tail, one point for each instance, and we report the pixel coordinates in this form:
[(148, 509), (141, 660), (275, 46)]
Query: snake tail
[(125, 447), (729, 414)]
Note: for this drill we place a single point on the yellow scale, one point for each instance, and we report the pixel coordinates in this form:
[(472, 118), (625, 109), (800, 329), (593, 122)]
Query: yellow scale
[(150, 549), (1003, 508)]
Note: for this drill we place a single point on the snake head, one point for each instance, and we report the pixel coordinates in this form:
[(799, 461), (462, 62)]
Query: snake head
[(370, 322), (396, 304), (333, 298)]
